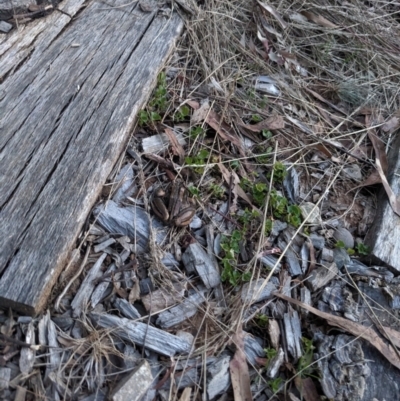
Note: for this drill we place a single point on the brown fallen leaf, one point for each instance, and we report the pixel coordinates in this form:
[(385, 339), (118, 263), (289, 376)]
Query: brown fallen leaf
[(367, 333), (271, 123), (237, 189), (221, 127), (239, 370), (319, 20), (307, 389), (176, 146)]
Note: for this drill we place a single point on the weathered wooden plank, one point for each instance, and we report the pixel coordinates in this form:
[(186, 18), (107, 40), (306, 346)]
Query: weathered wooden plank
[(66, 116), (383, 236)]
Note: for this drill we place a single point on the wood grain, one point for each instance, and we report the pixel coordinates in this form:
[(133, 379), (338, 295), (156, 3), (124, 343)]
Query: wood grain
[(67, 112), (383, 236)]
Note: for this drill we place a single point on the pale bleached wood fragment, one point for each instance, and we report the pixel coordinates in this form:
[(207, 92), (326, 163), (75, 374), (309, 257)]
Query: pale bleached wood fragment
[(158, 143), (142, 334), (134, 386), (27, 357)]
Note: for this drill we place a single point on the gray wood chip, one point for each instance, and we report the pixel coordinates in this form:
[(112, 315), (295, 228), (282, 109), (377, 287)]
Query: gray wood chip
[(321, 276), (141, 334), (257, 291), (180, 313), (195, 258), (84, 293)]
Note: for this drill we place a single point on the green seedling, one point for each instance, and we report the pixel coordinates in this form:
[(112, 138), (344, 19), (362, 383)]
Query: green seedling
[(255, 118), (268, 227), (194, 191), (280, 172), (157, 104), (294, 215), (266, 134), (275, 385), (279, 204), (270, 353), (305, 364), (217, 190), (363, 249), (182, 114), (196, 132), (199, 160), (231, 248)]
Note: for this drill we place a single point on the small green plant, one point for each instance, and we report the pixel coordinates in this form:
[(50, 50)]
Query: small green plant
[(182, 113), (305, 364), (270, 353), (217, 190), (200, 159), (266, 134), (268, 227), (262, 320), (194, 191), (157, 105), (340, 245), (259, 192), (279, 204), (362, 249), (280, 172), (294, 215), (275, 384), (256, 118), (196, 132), (230, 246)]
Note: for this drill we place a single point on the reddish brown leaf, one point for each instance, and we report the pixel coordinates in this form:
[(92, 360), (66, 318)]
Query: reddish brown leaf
[(176, 146)]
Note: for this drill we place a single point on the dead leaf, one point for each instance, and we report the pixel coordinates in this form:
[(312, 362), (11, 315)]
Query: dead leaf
[(237, 189), (307, 389), (319, 20), (239, 370), (221, 127), (392, 333), (271, 123), (274, 13), (200, 114), (367, 333), (391, 125), (176, 146)]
